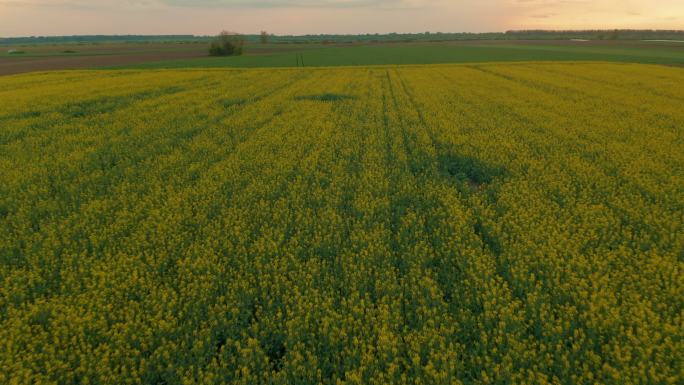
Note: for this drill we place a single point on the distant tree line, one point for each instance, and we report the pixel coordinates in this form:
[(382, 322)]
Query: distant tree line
[(85, 39), (508, 35), (264, 37), (597, 34)]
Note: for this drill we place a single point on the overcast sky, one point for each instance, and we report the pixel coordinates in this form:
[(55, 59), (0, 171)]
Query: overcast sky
[(68, 17)]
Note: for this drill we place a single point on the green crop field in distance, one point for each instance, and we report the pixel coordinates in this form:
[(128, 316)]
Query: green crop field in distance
[(436, 53)]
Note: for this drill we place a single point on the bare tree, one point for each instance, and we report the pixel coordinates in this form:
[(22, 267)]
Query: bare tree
[(264, 37)]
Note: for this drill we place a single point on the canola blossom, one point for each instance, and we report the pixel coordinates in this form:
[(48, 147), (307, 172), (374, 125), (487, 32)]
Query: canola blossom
[(447, 224)]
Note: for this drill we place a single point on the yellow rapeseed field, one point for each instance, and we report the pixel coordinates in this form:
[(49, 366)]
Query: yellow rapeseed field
[(450, 224)]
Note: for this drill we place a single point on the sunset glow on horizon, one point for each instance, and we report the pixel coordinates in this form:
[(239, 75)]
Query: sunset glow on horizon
[(72, 17)]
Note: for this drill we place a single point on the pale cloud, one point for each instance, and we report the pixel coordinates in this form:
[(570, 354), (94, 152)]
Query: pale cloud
[(52, 17), (573, 14), (284, 3), (66, 4)]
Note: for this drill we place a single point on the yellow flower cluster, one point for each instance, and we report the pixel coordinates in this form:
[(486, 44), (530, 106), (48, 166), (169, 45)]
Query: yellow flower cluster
[(454, 224)]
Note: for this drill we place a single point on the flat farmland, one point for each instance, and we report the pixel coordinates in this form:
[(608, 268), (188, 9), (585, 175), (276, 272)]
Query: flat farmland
[(170, 55), (443, 224)]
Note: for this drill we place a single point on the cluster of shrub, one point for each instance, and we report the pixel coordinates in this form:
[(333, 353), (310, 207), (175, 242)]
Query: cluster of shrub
[(227, 44), (231, 44)]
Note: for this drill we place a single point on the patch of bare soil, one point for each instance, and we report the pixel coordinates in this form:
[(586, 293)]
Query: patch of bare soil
[(17, 65)]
